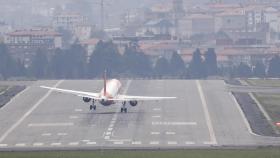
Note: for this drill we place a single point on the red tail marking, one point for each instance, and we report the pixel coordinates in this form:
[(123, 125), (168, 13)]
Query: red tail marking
[(105, 80)]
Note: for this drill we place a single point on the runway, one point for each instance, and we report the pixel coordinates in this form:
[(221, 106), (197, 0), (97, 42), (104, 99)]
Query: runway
[(205, 114)]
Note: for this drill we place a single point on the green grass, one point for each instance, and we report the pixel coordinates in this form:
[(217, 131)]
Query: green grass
[(270, 102), (261, 82), (3, 88), (257, 153)]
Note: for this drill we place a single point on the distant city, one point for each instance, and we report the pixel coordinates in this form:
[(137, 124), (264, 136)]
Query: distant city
[(244, 31)]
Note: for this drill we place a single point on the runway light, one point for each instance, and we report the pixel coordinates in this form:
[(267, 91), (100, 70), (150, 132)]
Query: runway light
[(278, 124)]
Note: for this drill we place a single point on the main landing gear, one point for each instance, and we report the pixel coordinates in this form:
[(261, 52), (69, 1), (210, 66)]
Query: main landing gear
[(93, 106), (124, 109)]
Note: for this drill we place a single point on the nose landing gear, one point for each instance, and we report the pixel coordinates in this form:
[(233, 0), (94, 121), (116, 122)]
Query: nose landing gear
[(93, 106), (124, 109)]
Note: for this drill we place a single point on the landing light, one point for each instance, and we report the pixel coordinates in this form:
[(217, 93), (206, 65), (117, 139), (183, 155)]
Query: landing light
[(278, 124)]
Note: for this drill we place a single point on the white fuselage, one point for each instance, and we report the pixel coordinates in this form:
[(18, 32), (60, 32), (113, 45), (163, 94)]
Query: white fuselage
[(112, 89)]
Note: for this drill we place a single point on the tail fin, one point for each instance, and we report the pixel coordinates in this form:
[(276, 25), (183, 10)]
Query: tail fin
[(105, 80)]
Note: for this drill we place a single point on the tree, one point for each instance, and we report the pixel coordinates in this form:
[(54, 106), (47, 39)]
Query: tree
[(57, 66), (39, 65), (211, 62), (196, 67), (75, 62), (10, 67), (177, 64), (135, 62), (274, 64), (162, 67), (105, 57), (259, 70), (244, 70)]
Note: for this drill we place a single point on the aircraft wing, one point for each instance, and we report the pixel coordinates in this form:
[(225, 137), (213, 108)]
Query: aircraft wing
[(77, 93), (140, 98)]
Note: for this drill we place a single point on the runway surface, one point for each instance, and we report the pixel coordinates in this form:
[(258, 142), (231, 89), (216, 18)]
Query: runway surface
[(205, 114)]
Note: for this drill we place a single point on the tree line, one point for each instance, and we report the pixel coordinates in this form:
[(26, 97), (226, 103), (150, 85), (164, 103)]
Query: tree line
[(74, 63)]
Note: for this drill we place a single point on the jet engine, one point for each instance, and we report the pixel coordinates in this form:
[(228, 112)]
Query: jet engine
[(86, 99), (133, 103)]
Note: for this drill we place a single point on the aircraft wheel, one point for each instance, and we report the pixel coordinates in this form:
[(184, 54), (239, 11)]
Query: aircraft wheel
[(125, 110), (94, 107), (90, 107)]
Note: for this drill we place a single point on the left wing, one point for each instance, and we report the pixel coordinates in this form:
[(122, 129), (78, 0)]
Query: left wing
[(73, 92), (140, 98)]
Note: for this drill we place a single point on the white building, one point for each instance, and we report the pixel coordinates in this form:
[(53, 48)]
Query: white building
[(69, 21), (33, 38)]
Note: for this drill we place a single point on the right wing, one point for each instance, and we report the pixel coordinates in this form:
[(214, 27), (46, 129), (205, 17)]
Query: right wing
[(141, 98), (95, 96)]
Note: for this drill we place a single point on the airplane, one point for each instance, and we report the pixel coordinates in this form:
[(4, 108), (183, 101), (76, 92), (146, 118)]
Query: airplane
[(109, 95)]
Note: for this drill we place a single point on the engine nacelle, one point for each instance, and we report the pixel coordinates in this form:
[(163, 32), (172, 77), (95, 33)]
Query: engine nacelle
[(86, 99), (133, 103)]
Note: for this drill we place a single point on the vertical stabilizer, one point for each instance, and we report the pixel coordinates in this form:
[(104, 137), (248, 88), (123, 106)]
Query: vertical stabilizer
[(105, 80)]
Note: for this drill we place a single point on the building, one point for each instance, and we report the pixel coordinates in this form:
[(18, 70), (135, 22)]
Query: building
[(196, 24), (69, 21), (23, 44), (33, 39)]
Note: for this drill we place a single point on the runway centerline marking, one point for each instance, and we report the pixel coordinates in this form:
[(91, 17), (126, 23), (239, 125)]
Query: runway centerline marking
[(38, 144), (74, 143), (154, 143), (155, 133), (136, 143), (28, 112), (91, 143), (206, 113), (170, 133), (46, 134), (157, 116), (20, 145), (109, 130), (189, 143), (50, 124), (3, 145), (175, 123), (172, 143), (73, 117), (55, 144)]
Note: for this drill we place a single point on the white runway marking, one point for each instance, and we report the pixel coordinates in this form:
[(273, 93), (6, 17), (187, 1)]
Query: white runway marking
[(62, 134), (175, 123), (38, 144), (118, 143), (154, 143), (74, 143), (78, 110), (85, 140), (46, 134), (155, 133), (91, 143), (55, 144), (157, 109), (108, 133), (20, 145), (50, 124), (3, 145), (157, 116), (206, 113), (28, 113), (170, 133), (172, 143), (136, 143), (189, 143), (73, 117), (209, 143)]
